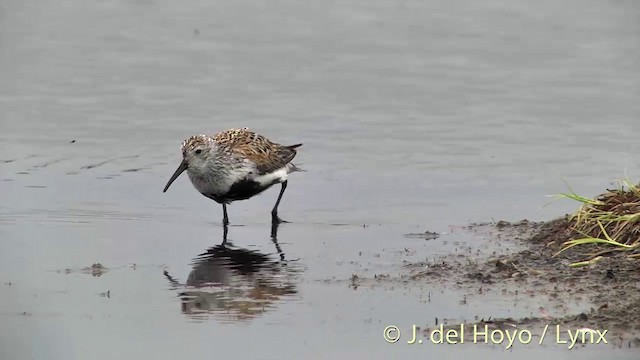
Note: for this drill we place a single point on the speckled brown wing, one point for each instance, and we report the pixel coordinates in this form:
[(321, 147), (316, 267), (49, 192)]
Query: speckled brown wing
[(267, 155)]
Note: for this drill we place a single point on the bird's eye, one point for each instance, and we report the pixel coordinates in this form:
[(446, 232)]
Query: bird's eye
[(198, 151)]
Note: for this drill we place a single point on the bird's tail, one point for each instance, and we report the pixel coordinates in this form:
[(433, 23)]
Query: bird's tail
[(294, 168)]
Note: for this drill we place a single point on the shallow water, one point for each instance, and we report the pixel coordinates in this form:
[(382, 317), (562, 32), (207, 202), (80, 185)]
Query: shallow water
[(415, 115)]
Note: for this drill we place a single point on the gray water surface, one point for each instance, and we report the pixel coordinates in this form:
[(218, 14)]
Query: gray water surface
[(415, 115)]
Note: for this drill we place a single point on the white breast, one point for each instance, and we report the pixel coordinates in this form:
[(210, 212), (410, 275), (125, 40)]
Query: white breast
[(217, 182)]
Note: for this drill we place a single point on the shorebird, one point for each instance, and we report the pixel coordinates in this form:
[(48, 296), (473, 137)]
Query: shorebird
[(236, 164)]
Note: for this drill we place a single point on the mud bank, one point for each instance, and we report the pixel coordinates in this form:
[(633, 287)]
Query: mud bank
[(600, 296)]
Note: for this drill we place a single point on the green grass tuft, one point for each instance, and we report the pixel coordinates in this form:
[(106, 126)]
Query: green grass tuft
[(610, 222)]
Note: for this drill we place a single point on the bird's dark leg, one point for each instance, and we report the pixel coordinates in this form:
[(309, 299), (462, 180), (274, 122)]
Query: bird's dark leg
[(274, 238), (274, 212), (225, 217), (225, 232)]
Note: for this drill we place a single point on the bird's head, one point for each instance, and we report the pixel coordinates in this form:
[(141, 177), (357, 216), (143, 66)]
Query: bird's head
[(197, 152)]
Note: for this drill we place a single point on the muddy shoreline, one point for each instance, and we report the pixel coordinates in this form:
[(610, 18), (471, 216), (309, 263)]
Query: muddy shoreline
[(608, 289)]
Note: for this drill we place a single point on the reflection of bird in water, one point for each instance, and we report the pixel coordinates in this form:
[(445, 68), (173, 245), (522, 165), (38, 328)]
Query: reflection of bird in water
[(235, 283)]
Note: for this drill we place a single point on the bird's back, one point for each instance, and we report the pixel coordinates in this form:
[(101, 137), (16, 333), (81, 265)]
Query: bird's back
[(267, 155)]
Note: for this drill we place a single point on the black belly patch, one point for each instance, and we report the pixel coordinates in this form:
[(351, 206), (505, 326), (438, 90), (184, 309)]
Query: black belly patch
[(241, 190)]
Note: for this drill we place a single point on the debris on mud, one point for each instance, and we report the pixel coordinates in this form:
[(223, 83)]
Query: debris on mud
[(355, 281), (95, 270), (427, 235)]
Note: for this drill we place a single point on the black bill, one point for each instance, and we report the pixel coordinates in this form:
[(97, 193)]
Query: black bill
[(183, 166)]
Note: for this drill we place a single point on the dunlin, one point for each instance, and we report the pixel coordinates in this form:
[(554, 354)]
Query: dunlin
[(235, 164)]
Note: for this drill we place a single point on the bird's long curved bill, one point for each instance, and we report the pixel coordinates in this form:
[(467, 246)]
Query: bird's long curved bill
[(183, 166)]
